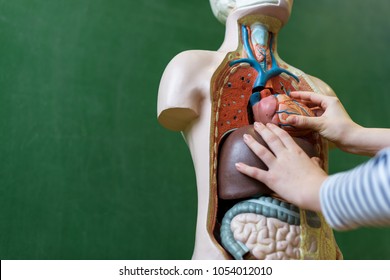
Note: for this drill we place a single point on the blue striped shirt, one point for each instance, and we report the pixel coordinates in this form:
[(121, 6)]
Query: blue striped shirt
[(359, 197)]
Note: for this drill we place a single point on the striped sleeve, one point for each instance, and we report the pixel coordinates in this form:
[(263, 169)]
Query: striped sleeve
[(359, 197)]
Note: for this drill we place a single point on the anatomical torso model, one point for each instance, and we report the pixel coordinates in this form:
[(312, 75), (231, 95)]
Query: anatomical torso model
[(214, 98)]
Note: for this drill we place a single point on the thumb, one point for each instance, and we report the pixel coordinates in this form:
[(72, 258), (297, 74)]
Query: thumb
[(304, 122)]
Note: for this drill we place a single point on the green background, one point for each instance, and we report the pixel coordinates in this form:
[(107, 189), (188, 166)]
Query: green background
[(86, 172)]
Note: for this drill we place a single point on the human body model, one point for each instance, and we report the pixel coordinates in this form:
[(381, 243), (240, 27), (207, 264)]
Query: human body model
[(214, 97)]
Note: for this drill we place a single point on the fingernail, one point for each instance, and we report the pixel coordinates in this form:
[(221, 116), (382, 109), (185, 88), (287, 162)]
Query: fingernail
[(270, 124), (258, 125), (246, 137), (291, 119), (238, 165)]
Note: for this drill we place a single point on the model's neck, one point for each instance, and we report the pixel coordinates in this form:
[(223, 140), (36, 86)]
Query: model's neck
[(261, 24), (261, 40), (259, 51)]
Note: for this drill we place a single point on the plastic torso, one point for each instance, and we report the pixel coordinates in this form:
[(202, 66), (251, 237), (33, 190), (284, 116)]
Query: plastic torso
[(212, 94)]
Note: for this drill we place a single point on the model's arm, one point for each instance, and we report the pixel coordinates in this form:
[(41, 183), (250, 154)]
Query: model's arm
[(334, 123), (178, 95)]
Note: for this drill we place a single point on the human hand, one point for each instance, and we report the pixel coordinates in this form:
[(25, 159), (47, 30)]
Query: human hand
[(331, 121), (291, 173)]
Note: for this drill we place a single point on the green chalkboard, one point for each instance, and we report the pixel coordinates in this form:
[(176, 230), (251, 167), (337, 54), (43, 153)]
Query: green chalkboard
[(86, 171)]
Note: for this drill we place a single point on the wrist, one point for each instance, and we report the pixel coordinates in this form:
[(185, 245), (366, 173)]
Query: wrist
[(310, 197), (351, 138), (368, 141)]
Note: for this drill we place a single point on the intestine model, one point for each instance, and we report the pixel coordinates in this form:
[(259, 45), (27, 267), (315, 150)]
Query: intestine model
[(214, 98)]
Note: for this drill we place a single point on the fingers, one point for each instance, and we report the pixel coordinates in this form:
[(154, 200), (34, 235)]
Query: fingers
[(262, 152), (277, 140), (283, 136), (312, 97), (270, 137), (253, 172), (313, 123)]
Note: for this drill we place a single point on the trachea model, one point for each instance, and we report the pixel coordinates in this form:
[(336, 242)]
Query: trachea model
[(214, 97)]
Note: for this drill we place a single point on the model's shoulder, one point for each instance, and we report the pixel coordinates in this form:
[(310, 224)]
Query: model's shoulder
[(190, 68), (323, 87), (194, 55), (194, 59)]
